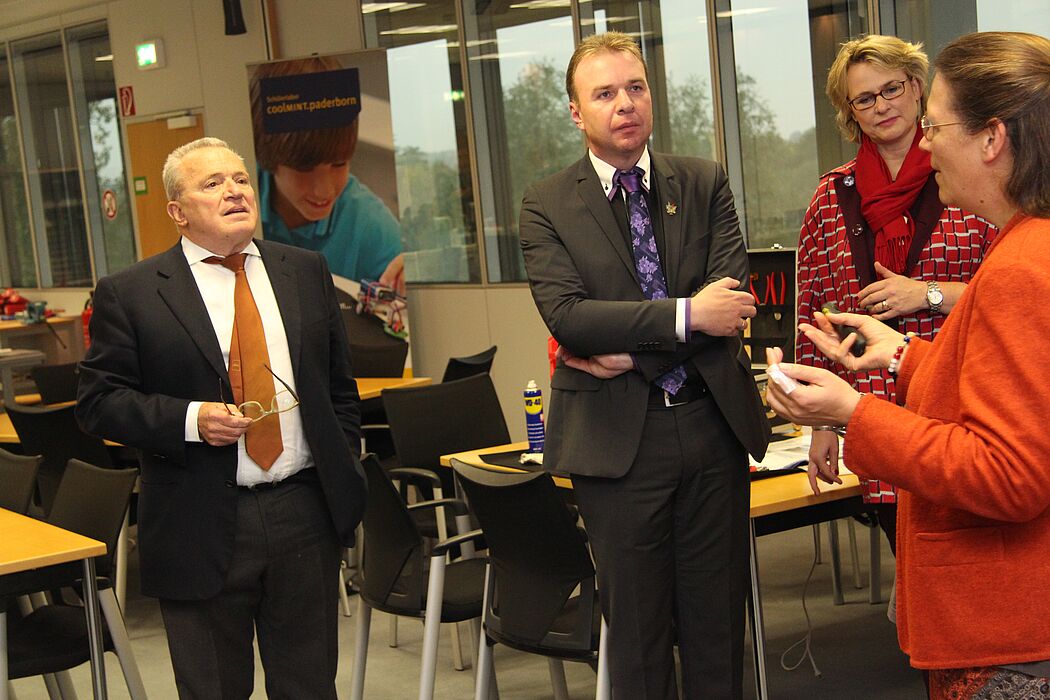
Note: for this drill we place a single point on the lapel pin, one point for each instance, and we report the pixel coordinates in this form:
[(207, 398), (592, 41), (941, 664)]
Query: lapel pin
[(671, 209)]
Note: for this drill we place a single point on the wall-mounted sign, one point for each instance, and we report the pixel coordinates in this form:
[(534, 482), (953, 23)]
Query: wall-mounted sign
[(139, 185), (109, 204), (149, 54), (127, 100)]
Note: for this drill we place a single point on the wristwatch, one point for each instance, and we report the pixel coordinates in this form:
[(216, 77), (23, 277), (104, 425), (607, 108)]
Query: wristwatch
[(934, 296)]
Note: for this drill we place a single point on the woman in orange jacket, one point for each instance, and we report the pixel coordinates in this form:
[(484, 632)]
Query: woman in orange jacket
[(970, 447)]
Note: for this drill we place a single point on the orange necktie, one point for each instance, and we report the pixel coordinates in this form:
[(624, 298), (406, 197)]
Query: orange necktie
[(248, 362)]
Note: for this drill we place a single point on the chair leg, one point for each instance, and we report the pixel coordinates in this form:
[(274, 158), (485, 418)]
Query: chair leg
[(364, 622), (119, 633), (851, 530), (875, 565), (557, 671), (836, 561), (485, 671), (603, 688), (432, 627), (457, 648), (392, 631), (344, 599), (120, 563)]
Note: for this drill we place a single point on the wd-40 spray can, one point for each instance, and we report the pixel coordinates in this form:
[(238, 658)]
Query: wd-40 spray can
[(534, 416)]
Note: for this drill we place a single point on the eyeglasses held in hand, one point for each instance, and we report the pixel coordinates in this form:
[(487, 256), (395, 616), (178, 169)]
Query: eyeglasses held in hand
[(284, 400), (927, 126), (867, 100)]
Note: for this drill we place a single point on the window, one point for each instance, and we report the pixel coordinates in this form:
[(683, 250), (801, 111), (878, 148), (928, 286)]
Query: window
[(17, 266), (432, 159), (66, 215)]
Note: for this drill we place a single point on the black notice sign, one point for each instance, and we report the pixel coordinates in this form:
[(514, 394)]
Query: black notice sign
[(310, 101)]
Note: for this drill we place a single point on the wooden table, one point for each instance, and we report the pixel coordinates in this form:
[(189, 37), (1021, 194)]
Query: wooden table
[(49, 338), (372, 387), (778, 503), (30, 544)]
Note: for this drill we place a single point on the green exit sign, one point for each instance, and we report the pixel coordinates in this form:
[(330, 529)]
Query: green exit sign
[(149, 54)]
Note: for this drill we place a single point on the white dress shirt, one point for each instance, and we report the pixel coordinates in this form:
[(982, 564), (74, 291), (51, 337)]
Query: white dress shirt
[(216, 285)]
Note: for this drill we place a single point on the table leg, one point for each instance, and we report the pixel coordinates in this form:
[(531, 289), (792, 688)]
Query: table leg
[(758, 630), (3, 655), (94, 628), (875, 565), (836, 562)]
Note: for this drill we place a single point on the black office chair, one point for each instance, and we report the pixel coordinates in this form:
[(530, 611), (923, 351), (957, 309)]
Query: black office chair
[(439, 419), (398, 578), (57, 383), (90, 501), (373, 352), (17, 480), (538, 558), (463, 367), (53, 433)]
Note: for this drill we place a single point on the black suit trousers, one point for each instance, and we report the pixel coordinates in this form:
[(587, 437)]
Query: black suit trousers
[(280, 586), (670, 541)]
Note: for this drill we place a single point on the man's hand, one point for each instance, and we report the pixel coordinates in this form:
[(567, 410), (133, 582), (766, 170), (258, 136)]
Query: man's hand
[(720, 309), (394, 275), (893, 295), (823, 459), (221, 424), (601, 366)]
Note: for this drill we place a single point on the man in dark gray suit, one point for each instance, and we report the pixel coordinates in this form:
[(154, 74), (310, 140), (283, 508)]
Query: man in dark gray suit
[(635, 261), (249, 486)]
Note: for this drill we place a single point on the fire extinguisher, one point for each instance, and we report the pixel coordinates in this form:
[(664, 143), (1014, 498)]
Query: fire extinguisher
[(85, 318)]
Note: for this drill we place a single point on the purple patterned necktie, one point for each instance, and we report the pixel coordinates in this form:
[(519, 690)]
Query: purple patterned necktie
[(646, 256)]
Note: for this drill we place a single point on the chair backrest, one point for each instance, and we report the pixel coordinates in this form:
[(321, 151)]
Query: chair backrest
[(17, 480), (378, 360), (392, 570), (52, 432), (429, 421), (57, 383), (462, 367), (373, 352), (91, 501), (538, 558)]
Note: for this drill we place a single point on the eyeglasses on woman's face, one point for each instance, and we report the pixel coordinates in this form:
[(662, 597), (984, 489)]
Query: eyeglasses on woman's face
[(927, 126), (866, 100)]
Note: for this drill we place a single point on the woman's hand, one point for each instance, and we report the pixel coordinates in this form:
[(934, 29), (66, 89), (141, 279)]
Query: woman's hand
[(823, 459), (821, 399), (882, 341), (892, 296)]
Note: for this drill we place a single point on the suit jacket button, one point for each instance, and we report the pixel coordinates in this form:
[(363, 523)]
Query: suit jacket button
[(230, 483)]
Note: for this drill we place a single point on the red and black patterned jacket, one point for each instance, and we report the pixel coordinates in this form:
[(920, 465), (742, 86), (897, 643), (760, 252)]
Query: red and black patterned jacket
[(835, 261)]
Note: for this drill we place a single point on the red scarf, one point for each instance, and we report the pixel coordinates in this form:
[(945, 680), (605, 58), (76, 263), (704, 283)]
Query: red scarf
[(884, 202)]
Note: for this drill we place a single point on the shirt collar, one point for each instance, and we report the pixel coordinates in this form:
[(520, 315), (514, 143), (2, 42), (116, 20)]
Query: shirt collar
[(606, 171), (195, 253)]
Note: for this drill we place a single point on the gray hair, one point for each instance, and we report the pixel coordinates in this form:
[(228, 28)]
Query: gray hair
[(171, 175)]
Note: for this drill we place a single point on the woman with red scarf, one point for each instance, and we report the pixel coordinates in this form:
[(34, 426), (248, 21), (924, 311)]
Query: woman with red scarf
[(876, 238)]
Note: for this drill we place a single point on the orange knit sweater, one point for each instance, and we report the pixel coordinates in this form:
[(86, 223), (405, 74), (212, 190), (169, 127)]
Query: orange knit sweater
[(971, 455)]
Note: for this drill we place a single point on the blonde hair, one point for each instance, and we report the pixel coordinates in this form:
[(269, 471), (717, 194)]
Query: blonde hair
[(171, 175), (595, 44), (885, 52), (1005, 76)]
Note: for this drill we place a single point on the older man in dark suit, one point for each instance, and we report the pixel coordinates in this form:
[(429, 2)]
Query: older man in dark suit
[(635, 261), (224, 361)]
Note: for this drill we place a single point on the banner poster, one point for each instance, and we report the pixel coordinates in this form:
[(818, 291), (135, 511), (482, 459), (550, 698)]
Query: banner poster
[(324, 148)]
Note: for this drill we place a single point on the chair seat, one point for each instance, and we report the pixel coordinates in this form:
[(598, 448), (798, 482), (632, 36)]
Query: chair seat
[(463, 593), (51, 639), (565, 623)]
